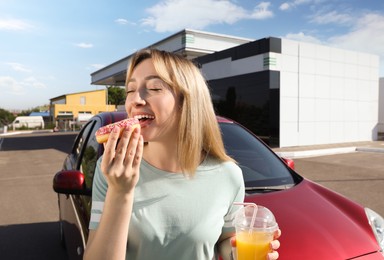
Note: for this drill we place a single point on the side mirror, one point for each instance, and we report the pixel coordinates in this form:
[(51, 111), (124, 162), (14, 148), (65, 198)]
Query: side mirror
[(289, 162), (70, 182)]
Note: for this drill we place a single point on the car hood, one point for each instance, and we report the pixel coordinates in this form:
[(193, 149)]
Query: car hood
[(317, 223)]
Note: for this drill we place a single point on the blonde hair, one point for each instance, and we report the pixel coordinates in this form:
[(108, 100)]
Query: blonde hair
[(199, 133)]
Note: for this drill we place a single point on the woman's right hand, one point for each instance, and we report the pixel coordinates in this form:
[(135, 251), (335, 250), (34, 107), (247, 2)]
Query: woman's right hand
[(122, 158), (120, 166)]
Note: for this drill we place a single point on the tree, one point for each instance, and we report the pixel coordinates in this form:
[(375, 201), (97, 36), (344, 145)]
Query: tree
[(116, 95), (6, 117), (28, 111)]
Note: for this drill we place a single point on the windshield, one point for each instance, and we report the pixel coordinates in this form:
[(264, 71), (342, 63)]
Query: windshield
[(261, 167)]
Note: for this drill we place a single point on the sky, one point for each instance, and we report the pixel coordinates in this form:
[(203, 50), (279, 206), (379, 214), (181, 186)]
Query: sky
[(50, 48)]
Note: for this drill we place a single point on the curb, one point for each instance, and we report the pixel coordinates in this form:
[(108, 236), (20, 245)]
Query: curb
[(319, 152), (331, 151), (370, 149), (25, 132)]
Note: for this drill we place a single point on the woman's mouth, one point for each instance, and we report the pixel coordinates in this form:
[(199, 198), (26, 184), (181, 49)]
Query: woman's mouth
[(144, 119)]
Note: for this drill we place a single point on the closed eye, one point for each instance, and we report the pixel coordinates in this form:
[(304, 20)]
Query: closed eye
[(155, 84)]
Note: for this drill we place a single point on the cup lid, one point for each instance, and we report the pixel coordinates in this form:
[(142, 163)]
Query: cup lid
[(263, 220)]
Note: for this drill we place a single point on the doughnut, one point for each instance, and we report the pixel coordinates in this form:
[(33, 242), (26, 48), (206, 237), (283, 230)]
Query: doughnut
[(102, 134)]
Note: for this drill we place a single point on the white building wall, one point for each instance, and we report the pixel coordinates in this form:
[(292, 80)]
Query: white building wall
[(211, 42), (381, 106), (227, 67), (327, 95)]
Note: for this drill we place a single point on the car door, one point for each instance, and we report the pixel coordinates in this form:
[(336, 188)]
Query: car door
[(82, 158), (91, 151)]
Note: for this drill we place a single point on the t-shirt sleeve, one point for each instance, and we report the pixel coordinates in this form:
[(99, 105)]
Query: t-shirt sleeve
[(99, 190), (239, 194)]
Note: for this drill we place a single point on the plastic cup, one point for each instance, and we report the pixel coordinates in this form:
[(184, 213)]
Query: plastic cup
[(255, 227)]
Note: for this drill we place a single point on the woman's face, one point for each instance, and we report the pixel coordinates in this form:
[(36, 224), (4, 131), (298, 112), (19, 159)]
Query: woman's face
[(153, 102)]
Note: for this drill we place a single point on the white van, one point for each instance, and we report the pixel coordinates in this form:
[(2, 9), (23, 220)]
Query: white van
[(28, 121), (83, 118)]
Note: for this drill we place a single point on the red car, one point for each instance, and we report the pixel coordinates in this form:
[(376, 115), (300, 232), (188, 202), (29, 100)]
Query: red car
[(316, 222)]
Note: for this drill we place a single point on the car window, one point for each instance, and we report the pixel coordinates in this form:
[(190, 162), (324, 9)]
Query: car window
[(260, 166), (80, 142), (90, 155), (87, 165)]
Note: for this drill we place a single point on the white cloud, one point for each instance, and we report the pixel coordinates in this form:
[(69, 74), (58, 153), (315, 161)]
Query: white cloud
[(285, 6), (332, 17), (14, 25), (84, 45), (123, 21), (33, 82), (97, 66), (261, 11), (300, 2), (18, 67), (11, 86), (302, 37), (292, 4), (172, 15), (366, 35), (16, 87)]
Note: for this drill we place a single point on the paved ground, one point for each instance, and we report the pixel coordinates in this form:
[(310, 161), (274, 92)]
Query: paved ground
[(29, 227), (355, 170), (330, 149)]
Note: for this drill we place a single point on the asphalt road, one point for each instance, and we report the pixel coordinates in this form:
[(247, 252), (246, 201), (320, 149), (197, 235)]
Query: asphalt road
[(358, 176), (29, 214)]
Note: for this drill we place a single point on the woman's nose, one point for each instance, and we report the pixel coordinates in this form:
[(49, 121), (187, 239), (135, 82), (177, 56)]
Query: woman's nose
[(138, 98)]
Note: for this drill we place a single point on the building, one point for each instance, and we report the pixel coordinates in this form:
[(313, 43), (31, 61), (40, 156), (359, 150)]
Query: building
[(289, 93), (381, 109), (294, 93), (189, 43), (69, 109)]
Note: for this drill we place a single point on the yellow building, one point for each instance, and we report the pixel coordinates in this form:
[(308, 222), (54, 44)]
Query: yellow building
[(76, 108)]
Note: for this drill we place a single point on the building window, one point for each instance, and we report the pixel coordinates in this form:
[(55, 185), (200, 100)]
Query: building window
[(85, 112), (82, 100), (252, 100), (59, 101), (188, 38)]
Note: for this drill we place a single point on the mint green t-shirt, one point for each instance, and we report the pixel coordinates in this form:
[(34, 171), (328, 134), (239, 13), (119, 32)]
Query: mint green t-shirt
[(175, 217)]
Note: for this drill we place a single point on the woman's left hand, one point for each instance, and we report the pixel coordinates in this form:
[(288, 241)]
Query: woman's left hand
[(275, 244)]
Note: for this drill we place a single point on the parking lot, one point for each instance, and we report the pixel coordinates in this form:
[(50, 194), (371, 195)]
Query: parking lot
[(29, 215), (345, 174), (355, 170)]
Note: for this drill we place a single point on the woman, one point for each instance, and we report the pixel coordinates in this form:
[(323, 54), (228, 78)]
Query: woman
[(171, 198)]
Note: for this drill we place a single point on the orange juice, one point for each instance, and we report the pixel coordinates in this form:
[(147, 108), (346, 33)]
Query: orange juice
[(253, 245)]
